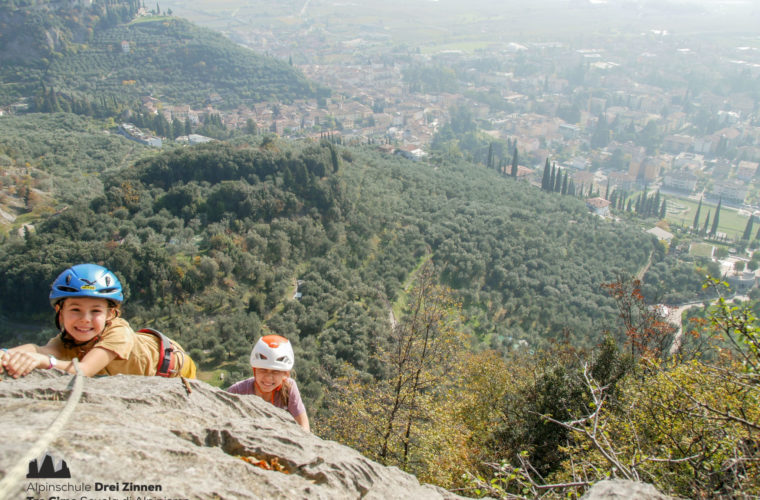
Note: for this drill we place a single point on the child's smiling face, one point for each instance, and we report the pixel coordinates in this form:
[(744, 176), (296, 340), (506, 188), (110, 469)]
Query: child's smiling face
[(85, 317), (269, 380)]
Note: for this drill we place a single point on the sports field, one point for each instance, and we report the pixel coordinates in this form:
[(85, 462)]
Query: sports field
[(681, 212)]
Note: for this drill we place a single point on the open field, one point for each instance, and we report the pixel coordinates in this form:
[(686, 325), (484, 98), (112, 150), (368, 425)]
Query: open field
[(729, 221)]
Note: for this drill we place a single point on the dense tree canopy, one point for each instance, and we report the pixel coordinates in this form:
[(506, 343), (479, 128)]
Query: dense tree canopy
[(99, 60), (234, 229)]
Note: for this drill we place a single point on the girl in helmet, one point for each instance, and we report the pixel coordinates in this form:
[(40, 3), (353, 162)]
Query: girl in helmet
[(87, 300), (271, 360)]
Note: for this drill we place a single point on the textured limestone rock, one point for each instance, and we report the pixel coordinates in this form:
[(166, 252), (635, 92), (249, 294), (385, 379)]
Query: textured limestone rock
[(620, 489), (150, 432)]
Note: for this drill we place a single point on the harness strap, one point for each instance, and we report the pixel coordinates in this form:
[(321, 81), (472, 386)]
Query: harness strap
[(166, 353)]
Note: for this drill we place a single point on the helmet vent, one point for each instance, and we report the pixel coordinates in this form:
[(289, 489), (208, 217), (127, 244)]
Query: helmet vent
[(108, 281), (68, 279), (67, 289), (272, 352)]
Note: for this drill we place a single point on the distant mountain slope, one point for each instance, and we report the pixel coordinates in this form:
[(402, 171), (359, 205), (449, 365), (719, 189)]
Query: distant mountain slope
[(99, 54), (50, 160)]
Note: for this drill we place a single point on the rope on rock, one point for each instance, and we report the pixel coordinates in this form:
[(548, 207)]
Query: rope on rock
[(10, 483)]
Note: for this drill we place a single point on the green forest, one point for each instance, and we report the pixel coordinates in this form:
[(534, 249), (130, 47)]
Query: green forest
[(256, 214), (101, 60)]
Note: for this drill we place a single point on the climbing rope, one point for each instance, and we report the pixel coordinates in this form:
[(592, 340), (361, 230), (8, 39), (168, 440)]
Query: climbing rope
[(10, 483)]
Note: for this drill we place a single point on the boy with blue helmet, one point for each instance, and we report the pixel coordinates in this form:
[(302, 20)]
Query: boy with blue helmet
[(86, 280), (87, 299)]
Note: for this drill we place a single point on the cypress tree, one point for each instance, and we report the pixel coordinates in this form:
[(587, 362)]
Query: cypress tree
[(695, 224), (514, 163), (545, 178), (663, 210), (656, 203), (177, 128), (490, 155), (571, 188), (714, 228), (552, 178), (607, 191), (748, 230), (707, 221), (563, 190)]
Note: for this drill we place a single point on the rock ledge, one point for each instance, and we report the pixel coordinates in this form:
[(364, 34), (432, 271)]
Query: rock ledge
[(150, 431)]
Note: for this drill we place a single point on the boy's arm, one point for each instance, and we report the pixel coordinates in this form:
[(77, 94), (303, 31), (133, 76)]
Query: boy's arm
[(19, 361), (91, 364)]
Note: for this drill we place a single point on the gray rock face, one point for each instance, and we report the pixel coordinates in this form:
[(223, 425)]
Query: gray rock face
[(620, 489), (150, 432)]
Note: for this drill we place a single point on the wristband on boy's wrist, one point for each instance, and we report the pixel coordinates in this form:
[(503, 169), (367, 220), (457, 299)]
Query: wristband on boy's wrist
[(53, 361)]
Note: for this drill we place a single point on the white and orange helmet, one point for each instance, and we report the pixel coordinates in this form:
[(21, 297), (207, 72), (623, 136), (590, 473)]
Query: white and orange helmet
[(273, 352)]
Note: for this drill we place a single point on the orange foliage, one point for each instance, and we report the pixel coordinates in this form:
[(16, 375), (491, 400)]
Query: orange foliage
[(273, 464)]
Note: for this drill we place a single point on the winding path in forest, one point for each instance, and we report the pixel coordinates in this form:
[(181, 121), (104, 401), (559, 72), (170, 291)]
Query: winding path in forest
[(643, 270), (675, 317)]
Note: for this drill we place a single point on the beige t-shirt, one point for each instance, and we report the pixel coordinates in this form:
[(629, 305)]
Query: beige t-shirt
[(136, 353)]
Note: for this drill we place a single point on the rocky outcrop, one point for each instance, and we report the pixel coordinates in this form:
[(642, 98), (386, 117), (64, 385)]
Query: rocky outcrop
[(620, 489), (149, 433)]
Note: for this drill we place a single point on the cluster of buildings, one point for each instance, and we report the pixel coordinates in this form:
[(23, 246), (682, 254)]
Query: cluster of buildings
[(134, 133), (649, 109)]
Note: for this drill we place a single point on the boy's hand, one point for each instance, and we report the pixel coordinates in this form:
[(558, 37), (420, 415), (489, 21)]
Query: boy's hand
[(21, 363)]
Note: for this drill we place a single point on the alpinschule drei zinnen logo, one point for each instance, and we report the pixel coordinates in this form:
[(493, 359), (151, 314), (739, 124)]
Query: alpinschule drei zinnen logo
[(48, 470)]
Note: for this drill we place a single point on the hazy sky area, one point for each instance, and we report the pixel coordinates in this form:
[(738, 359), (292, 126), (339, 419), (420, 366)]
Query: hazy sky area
[(421, 20)]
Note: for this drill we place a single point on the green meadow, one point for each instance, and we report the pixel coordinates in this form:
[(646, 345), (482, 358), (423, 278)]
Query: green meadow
[(681, 212)]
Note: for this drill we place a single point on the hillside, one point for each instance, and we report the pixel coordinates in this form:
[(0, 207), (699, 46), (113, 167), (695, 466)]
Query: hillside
[(211, 240), (102, 58), (49, 161), (465, 326), (218, 243)]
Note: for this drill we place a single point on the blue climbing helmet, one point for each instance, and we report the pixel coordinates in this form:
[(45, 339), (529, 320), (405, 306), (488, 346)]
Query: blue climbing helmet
[(86, 280)]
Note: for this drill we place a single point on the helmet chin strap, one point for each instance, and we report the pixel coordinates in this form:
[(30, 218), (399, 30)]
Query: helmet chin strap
[(58, 317)]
